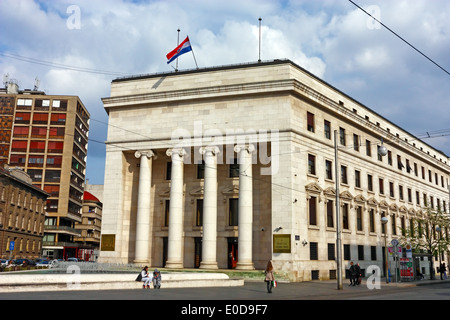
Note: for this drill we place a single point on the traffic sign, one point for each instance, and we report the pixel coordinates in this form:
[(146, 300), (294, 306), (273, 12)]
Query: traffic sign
[(11, 245)]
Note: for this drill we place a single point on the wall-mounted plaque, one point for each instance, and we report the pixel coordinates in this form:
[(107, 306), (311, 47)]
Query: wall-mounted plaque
[(281, 243), (108, 242)]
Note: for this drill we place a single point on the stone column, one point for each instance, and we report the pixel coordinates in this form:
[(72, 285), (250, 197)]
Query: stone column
[(143, 207), (245, 224), (175, 240), (209, 241)]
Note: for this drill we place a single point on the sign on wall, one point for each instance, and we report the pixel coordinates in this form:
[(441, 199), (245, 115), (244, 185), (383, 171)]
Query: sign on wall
[(108, 242), (281, 243)]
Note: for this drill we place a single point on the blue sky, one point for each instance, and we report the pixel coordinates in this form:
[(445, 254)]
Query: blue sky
[(331, 38)]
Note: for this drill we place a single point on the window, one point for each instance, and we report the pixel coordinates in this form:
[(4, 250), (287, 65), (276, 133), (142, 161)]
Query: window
[(345, 216), (233, 212), (58, 118), (359, 218), (199, 213), (394, 225), (391, 189), (328, 170), (355, 142), (342, 136), (330, 214), (400, 192), (22, 117), (347, 255), (19, 146), (344, 174), (37, 146), (40, 118), (331, 251), (360, 252), (166, 213), (55, 146), (372, 220), (311, 164), (234, 169), (399, 163), (24, 102), (169, 170), (390, 158), (327, 129), (310, 119), (381, 186), (313, 251), (369, 182), (201, 170), (357, 179), (21, 132), (312, 211), (368, 148), (373, 253)]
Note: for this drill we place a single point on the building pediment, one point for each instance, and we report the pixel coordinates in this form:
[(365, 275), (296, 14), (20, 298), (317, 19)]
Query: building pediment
[(372, 202), (330, 192), (345, 195), (393, 207), (313, 187), (383, 204), (360, 198), (197, 192)]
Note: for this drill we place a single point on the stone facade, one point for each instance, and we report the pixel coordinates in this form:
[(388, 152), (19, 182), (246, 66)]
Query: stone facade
[(267, 187)]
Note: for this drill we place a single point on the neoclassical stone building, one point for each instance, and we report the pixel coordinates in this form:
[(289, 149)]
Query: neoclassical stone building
[(228, 167)]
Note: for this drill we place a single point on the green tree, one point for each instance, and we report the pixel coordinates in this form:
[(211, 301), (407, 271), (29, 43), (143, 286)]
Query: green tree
[(428, 232)]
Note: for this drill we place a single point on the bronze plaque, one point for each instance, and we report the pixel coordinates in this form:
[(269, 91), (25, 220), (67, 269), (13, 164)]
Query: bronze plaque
[(108, 242), (281, 243)]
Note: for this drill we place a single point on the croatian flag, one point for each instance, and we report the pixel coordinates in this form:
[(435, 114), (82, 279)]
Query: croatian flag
[(184, 47)]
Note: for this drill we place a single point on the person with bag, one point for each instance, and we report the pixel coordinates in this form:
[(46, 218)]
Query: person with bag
[(145, 277), (269, 279)]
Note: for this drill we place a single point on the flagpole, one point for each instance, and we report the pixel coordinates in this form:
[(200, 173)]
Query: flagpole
[(195, 60), (178, 43), (259, 60)]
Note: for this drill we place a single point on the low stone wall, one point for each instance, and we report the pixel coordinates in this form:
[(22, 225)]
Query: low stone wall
[(19, 282)]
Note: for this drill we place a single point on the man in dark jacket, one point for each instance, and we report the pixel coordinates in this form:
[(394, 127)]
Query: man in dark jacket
[(352, 273)]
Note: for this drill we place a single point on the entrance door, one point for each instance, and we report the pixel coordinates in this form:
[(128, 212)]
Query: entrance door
[(165, 243), (232, 252), (198, 252)]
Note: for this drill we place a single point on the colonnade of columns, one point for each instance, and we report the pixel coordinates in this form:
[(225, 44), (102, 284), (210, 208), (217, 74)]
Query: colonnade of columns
[(175, 236)]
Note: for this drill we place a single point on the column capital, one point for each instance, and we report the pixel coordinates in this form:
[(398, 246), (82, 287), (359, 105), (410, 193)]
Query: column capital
[(241, 147), (209, 149), (146, 153), (176, 151)]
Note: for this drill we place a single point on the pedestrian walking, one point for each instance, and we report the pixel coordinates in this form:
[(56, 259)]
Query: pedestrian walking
[(352, 273), (269, 279), (357, 274)]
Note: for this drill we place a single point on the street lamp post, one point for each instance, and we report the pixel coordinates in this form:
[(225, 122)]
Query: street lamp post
[(438, 229), (384, 221), (338, 217)]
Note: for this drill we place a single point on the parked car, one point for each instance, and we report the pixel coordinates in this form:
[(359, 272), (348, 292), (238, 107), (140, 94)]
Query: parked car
[(24, 262), (72, 259), (4, 262), (43, 263)]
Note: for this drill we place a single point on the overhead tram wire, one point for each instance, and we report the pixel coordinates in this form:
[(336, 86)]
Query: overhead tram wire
[(59, 65), (409, 44)]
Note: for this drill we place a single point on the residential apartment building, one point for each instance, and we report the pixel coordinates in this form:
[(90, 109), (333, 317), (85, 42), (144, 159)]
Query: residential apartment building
[(90, 227), (47, 137), (229, 167), (22, 215)]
